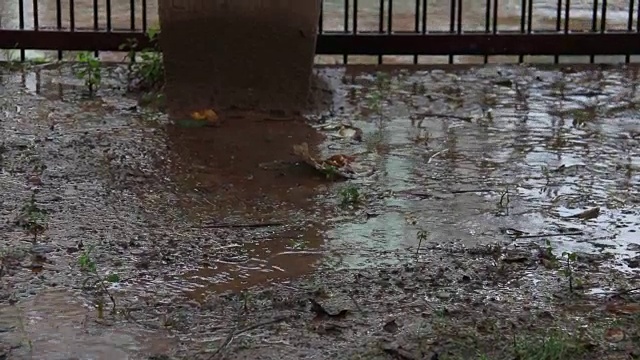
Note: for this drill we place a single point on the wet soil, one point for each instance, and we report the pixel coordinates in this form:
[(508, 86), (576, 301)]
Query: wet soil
[(127, 236)]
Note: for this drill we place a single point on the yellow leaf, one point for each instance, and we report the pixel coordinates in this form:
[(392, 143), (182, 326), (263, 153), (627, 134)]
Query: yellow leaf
[(205, 115)]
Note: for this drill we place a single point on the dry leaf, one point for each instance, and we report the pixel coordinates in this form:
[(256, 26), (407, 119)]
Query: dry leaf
[(587, 214), (352, 132), (624, 309), (205, 115), (614, 335)]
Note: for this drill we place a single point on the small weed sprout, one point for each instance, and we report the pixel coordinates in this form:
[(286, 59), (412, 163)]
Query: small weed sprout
[(349, 195), (422, 236), (571, 258), (331, 172), (33, 219), (89, 70), (96, 282)]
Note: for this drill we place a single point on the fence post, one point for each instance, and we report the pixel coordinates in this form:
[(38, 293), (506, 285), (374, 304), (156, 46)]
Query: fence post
[(246, 54)]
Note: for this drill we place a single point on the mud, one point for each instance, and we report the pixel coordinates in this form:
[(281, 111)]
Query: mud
[(212, 241)]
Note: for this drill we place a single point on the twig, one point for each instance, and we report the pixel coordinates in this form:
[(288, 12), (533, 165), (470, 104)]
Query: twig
[(472, 191), (353, 299), (549, 235), (623, 292), (436, 154), (235, 332), (249, 225), (446, 116)]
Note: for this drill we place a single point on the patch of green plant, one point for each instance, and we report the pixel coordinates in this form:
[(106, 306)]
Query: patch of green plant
[(422, 236), (553, 346), (565, 264), (146, 68), (570, 261), (330, 172), (96, 282), (32, 218), (349, 195), (89, 69)]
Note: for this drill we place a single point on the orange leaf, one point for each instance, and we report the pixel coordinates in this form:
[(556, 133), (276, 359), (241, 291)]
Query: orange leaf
[(614, 335), (205, 115), (624, 309)]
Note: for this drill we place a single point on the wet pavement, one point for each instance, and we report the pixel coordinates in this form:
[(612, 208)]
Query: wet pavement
[(191, 220)]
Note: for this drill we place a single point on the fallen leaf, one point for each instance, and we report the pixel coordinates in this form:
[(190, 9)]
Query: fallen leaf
[(614, 335), (205, 115), (623, 309), (391, 326), (587, 214), (352, 132), (321, 313), (339, 161)]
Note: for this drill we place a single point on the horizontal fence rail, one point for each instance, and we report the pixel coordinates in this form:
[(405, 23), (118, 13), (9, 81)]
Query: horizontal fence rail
[(359, 27)]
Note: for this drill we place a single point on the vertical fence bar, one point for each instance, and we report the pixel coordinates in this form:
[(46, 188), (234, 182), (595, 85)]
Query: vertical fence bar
[(95, 23), (21, 26), (72, 15), (108, 15), (594, 26), (567, 9), (424, 16), (321, 20), (36, 17), (390, 18), (627, 58), (381, 25), (530, 17), (132, 13), (487, 24), (523, 15), (355, 17), (556, 58), (417, 28), (459, 21), (345, 57), (59, 22), (603, 17), (144, 15), (495, 17), (452, 22)]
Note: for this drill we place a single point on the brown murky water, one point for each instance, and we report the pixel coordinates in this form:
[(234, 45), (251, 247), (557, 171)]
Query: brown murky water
[(402, 19)]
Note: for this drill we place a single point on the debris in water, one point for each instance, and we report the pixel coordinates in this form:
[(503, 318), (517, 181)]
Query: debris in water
[(350, 132), (241, 225), (614, 335), (321, 313), (391, 326), (203, 118), (586, 215), (336, 165)]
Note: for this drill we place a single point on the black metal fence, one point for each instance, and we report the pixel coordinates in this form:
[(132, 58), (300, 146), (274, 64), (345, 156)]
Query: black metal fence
[(413, 28)]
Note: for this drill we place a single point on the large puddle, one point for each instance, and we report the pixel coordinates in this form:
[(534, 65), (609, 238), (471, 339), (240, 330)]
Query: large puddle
[(468, 155)]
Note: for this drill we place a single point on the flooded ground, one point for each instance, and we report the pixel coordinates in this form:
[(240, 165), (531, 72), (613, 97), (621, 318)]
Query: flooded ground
[(495, 217)]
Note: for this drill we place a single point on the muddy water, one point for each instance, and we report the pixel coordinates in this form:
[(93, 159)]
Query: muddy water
[(465, 155), (402, 18), (184, 213)]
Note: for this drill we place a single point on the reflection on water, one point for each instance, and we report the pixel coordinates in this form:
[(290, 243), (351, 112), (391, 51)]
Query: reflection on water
[(472, 18), (278, 257), (559, 143), (57, 326)]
